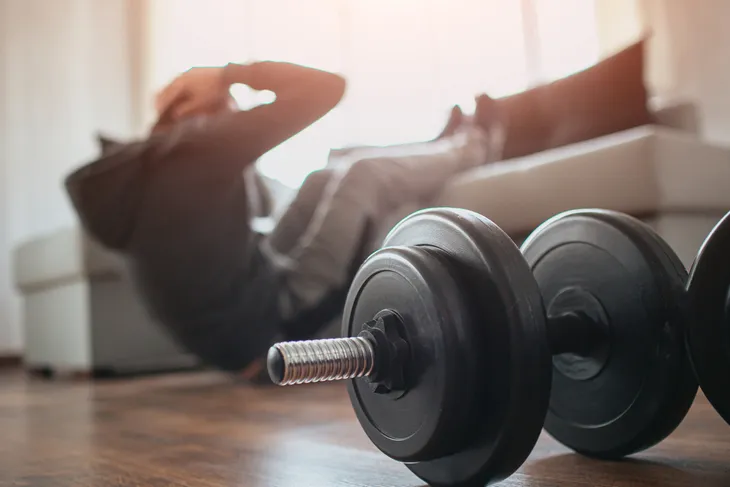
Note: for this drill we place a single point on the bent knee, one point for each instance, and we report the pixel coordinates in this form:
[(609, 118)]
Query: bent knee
[(316, 180), (366, 172)]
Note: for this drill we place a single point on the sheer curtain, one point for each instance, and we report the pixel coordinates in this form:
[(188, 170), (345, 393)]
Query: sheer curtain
[(407, 62)]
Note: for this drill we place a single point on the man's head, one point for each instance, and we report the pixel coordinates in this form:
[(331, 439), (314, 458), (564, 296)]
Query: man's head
[(169, 118)]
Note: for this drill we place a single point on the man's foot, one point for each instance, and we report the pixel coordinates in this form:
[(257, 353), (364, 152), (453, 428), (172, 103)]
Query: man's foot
[(490, 119), (256, 372), (456, 119)]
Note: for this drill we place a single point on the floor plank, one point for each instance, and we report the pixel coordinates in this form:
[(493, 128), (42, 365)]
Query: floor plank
[(203, 430)]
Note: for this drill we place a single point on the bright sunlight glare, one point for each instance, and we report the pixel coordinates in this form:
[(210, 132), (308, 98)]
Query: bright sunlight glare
[(407, 62)]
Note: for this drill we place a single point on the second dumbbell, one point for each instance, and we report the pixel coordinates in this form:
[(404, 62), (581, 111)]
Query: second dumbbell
[(709, 337)]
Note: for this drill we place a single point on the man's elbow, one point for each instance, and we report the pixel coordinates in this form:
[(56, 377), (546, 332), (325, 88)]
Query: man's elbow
[(336, 89)]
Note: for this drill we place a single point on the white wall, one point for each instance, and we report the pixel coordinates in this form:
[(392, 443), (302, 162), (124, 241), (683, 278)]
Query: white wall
[(9, 333), (64, 73), (618, 22), (694, 56)]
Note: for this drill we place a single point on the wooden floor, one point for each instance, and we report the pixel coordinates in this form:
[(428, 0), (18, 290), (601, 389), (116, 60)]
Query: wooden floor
[(203, 430)]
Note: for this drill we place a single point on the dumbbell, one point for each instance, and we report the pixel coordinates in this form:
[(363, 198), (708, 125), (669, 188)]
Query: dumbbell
[(460, 347), (708, 339)]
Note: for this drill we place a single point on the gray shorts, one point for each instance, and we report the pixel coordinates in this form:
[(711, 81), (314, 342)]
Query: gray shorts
[(320, 236)]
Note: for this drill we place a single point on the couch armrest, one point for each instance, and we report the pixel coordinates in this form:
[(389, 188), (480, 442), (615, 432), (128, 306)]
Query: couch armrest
[(61, 256)]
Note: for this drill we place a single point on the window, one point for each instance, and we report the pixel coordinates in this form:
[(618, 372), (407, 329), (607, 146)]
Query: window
[(407, 61)]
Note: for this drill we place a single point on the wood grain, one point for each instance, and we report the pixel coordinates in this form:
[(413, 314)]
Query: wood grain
[(205, 430)]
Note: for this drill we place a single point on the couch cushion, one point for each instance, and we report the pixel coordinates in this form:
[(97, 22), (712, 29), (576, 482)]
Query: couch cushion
[(64, 255), (347, 155), (641, 171)]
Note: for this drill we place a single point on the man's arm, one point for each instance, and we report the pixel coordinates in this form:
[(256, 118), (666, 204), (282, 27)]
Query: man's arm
[(303, 96)]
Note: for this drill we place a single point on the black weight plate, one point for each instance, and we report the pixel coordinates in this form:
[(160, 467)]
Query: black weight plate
[(634, 390), (709, 338), (468, 300), (430, 418)]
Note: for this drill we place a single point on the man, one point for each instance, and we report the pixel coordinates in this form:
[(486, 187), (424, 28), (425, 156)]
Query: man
[(177, 206)]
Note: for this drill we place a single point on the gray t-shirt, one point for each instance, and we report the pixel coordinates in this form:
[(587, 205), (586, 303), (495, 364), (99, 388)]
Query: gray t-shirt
[(176, 205)]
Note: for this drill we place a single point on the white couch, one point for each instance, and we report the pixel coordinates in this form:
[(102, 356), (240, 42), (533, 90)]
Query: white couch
[(81, 313), (663, 174)]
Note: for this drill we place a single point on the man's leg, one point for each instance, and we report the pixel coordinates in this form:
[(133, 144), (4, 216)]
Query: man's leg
[(298, 215), (365, 193)]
